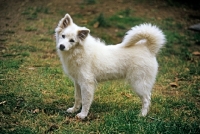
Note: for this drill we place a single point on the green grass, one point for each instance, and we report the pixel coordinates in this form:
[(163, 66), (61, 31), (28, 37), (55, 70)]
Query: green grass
[(31, 13), (34, 92), (120, 20), (89, 2), (29, 29)]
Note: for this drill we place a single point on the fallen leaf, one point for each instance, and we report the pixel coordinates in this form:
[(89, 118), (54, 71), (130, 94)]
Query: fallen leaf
[(3, 102), (173, 84), (96, 25), (31, 68), (36, 111), (126, 94), (196, 53)]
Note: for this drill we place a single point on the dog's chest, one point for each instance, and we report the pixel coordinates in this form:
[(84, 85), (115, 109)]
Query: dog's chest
[(72, 64)]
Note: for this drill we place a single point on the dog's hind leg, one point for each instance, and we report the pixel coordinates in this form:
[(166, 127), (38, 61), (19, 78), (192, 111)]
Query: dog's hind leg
[(144, 92), (87, 93), (146, 102), (77, 104)]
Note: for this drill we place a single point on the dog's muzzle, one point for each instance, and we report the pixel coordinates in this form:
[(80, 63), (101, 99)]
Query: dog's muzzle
[(62, 47)]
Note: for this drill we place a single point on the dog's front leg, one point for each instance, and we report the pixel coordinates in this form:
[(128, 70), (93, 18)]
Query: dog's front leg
[(87, 93), (77, 104)]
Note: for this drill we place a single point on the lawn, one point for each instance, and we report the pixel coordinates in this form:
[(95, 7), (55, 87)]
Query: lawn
[(35, 93)]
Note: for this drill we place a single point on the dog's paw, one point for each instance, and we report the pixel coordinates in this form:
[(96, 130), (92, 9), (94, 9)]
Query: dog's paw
[(144, 112), (81, 116), (71, 110)]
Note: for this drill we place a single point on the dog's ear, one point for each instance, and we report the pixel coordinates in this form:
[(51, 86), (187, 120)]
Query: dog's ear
[(67, 20), (64, 22), (82, 34)]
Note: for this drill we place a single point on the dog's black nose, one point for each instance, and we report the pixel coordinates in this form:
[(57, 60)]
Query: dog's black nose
[(62, 47)]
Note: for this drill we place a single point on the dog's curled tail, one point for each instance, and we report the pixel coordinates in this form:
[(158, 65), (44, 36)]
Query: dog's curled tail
[(154, 37)]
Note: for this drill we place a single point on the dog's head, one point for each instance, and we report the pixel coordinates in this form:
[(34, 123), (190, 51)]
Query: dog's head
[(68, 34)]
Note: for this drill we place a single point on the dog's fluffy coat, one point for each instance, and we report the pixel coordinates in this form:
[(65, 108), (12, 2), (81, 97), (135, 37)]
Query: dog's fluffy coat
[(87, 60)]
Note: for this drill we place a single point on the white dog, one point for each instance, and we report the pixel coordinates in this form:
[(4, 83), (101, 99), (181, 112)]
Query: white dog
[(87, 60)]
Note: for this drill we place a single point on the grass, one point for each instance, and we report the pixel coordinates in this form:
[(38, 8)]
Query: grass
[(120, 20), (90, 1), (29, 29), (35, 93), (31, 13)]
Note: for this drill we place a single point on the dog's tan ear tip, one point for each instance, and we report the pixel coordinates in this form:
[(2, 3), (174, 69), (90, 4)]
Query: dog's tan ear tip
[(66, 21), (67, 15), (86, 29)]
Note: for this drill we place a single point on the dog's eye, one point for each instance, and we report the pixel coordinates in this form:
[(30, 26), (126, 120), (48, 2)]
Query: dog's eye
[(63, 36), (71, 40)]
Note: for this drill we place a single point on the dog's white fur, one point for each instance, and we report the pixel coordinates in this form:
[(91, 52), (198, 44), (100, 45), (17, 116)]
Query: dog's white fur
[(87, 60)]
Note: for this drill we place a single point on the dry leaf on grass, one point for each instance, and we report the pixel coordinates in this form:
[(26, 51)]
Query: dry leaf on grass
[(96, 25), (36, 111), (31, 68), (126, 94), (196, 53), (3, 102), (173, 84)]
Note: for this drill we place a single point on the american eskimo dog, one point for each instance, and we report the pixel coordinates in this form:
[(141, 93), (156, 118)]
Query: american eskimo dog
[(87, 60)]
